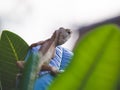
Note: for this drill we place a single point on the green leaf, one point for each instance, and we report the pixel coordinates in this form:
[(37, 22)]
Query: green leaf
[(0, 85), (12, 48), (96, 62), (30, 72)]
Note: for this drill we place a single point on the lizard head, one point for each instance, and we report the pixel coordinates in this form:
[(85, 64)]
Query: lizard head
[(62, 35)]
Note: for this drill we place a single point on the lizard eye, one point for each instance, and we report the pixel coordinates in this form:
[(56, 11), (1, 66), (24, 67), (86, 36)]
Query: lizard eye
[(68, 31)]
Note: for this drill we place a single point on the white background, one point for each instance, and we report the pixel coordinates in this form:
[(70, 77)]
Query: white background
[(36, 20)]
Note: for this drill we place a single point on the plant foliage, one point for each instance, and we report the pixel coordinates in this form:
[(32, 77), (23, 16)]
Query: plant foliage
[(12, 48), (95, 65)]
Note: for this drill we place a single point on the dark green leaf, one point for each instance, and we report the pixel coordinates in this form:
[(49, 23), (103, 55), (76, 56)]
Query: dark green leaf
[(0, 85), (12, 48)]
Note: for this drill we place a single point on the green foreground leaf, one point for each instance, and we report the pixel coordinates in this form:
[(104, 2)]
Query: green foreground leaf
[(12, 48), (30, 72), (96, 62)]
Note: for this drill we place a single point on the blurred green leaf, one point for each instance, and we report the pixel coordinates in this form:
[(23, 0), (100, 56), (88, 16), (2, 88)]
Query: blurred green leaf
[(96, 62), (12, 48)]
